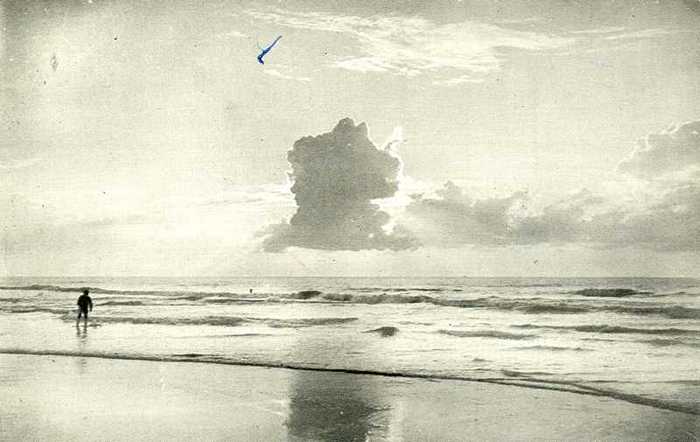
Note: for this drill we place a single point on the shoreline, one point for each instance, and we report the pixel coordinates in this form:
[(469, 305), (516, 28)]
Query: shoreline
[(527, 383), (76, 398)]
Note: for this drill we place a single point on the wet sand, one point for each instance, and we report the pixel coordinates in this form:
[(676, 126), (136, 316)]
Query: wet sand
[(83, 398)]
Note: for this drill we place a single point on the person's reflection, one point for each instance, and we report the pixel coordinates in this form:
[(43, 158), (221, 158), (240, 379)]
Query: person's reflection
[(81, 334), (334, 406)]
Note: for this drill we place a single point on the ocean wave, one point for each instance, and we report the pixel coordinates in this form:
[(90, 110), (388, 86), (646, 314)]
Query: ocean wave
[(384, 331), (309, 322), (379, 299), (29, 309), (125, 303), (551, 348), (530, 306), (305, 294), (403, 289), (230, 301), (609, 293), (14, 300), (485, 334), (670, 342), (668, 311), (513, 378), (229, 335), (611, 329), (681, 293), (228, 321), (225, 321)]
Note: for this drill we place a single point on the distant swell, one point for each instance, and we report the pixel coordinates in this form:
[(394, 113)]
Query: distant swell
[(528, 306), (57, 288), (513, 379), (183, 295)]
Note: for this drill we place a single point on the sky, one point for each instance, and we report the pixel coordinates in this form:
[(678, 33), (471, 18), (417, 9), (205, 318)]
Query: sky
[(406, 138)]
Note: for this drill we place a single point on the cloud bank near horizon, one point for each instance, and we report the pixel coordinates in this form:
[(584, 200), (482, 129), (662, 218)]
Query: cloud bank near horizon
[(665, 216), (337, 176)]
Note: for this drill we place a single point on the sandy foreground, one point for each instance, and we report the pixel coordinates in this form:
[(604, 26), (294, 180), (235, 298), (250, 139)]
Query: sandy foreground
[(84, 398)]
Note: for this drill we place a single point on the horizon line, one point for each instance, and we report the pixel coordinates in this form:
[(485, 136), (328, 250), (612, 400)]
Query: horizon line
[(352, 276)]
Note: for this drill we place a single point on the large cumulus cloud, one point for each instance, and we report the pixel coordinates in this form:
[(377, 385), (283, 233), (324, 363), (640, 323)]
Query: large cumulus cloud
[(337, 175)]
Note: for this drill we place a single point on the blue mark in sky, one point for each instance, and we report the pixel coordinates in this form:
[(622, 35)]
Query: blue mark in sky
[(266, 50)]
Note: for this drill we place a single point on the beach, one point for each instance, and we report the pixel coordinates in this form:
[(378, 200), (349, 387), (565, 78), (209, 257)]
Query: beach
[(87, 398), (350, 359)]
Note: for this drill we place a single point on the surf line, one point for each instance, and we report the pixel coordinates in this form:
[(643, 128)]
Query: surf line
[(524, 382)]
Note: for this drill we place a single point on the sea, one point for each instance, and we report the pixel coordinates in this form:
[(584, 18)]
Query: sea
[(629, 339)]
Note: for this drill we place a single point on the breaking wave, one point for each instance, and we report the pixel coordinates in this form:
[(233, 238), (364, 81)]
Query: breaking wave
[(485, 334), (403, 289), (305, 294), (609, 293), (611, 329)]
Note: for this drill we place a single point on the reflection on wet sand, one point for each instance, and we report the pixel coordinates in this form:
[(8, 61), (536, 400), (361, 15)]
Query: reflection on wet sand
[(81, 334), (335, 406)]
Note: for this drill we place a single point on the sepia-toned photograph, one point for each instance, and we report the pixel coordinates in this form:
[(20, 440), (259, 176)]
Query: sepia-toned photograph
[(361, 220)]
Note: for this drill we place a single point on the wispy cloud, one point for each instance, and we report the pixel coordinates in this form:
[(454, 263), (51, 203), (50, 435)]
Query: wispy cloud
[(278, 74), (600, 31), (617, 38), (411, 46), (625, 33), (645, 33)]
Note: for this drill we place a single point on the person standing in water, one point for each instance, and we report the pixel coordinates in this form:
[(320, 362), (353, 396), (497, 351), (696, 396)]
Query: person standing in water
[(83, 303)]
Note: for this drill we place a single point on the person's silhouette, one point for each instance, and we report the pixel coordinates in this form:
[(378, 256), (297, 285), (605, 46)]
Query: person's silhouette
[(84, 302)]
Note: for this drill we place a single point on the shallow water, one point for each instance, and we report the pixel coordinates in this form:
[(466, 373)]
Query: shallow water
[(638, 344)]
